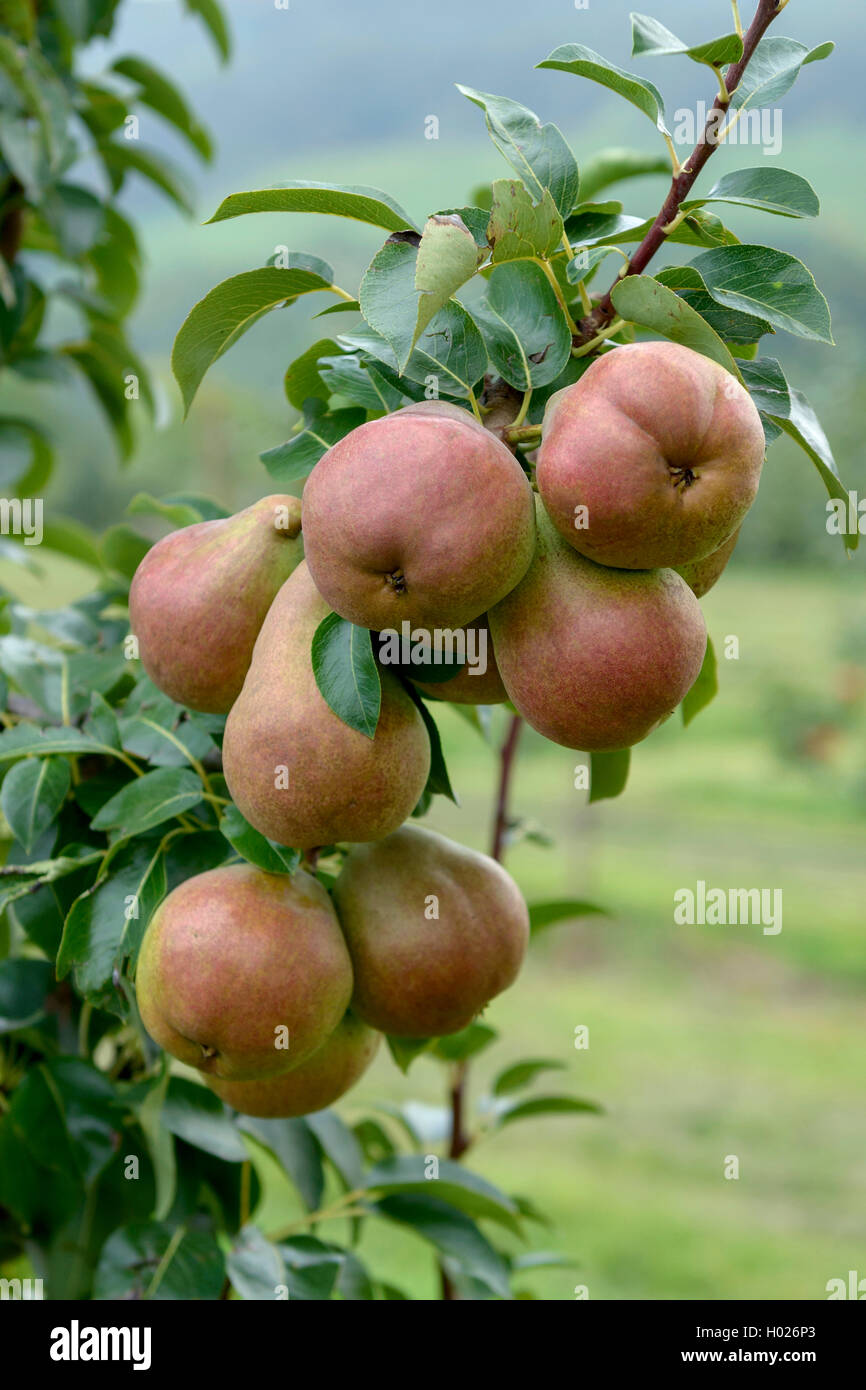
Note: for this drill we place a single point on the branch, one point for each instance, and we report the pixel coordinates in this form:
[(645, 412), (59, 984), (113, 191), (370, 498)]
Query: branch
[(685, 180)]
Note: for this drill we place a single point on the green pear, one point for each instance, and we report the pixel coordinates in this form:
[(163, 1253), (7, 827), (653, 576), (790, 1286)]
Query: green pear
[(434, 930), (701, 575), (200, 595), (332, 1071), (296, 771), (651, 459), (243, 974), (456, 665), (596, 658), (421, 516)]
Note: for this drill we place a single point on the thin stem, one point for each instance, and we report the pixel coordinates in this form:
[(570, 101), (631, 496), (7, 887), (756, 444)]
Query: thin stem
[(598, 339), (343, 294), (170, 1251), (506, 769), (554, 284), (246, 1181), (523, 434), (342, 1207), (84, 1028), (521, 414), (738, 23), (476, 409), (686, 175)]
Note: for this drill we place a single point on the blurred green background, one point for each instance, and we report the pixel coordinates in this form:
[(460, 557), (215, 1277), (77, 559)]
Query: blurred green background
[(704, 1041)]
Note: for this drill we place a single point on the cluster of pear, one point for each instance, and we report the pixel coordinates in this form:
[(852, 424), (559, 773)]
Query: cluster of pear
[(279, 992), (421, 519)]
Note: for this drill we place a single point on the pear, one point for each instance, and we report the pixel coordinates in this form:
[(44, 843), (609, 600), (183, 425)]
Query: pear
[(315, 1084), (474, 681), (243, 974), (702, 575), (434, 930), (651, 459), (298, 773), (200, 595), (421, 516), (596, 658)]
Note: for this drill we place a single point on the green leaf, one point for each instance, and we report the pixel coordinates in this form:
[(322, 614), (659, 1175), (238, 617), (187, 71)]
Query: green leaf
[(32, 795), (191, 1267), (771, 190), (156, 91), (650, 38), (294, 1147), (608, 774), (22, 880), (232, 307), (302, 379), (176, 514), (26, 739), (543, 915), (452, 1233), (446, 258), (106, 923), (254, 1266), (76, 216), (614, 165), (254, 847), (450, 354), (405, 1050), (538, 154), (705, 688), (196, 1115), (346, 673), (388, 297), (546, 1105), (26, 456), (339, 1145), (121, 160), (586, 260), (214, 21), (731, 325), (297, 457), (23, 987), (339, 200), (583, 62), (522, 1074), (526, 332), (438, 780), (19, 17), (520, 229), (149, 800), (643, 300), (122, 550), (772, 71), (347, 376), (457, 1047), (768, 284), (455, 1185)]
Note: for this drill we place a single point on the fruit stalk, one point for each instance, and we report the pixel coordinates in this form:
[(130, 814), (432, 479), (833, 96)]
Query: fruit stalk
[(685, 180)]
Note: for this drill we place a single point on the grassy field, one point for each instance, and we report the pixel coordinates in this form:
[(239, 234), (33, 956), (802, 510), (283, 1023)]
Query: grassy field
[(705, 1042)]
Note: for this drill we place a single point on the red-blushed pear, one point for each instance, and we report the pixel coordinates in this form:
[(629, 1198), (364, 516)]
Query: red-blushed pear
[(463, 656), (295, 770), (243, 974), (315, 1084), (434, 930), (200, 595), (651, 459), (596, 658), (701, 575), (422, 516)]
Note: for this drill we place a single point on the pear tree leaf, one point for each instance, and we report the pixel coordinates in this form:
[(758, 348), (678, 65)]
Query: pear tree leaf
[(212, 17), (643, 300), (614, 165), (149, 801), (362, 204), (527, 334), (538, 154), (608, 774), (520, 229), (232, 307), (705, 688), (583, 62), (521, 1074), (33, 794), (543, 915), (302, 379), (652, 39), (534, 1106), (160, 94), (770, 190), (346, 673), (773, 69), (769, 285), (447, 257), (294, 459), (255, 847)]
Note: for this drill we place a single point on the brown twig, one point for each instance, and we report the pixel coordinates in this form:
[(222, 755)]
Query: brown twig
[(685, 180)]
